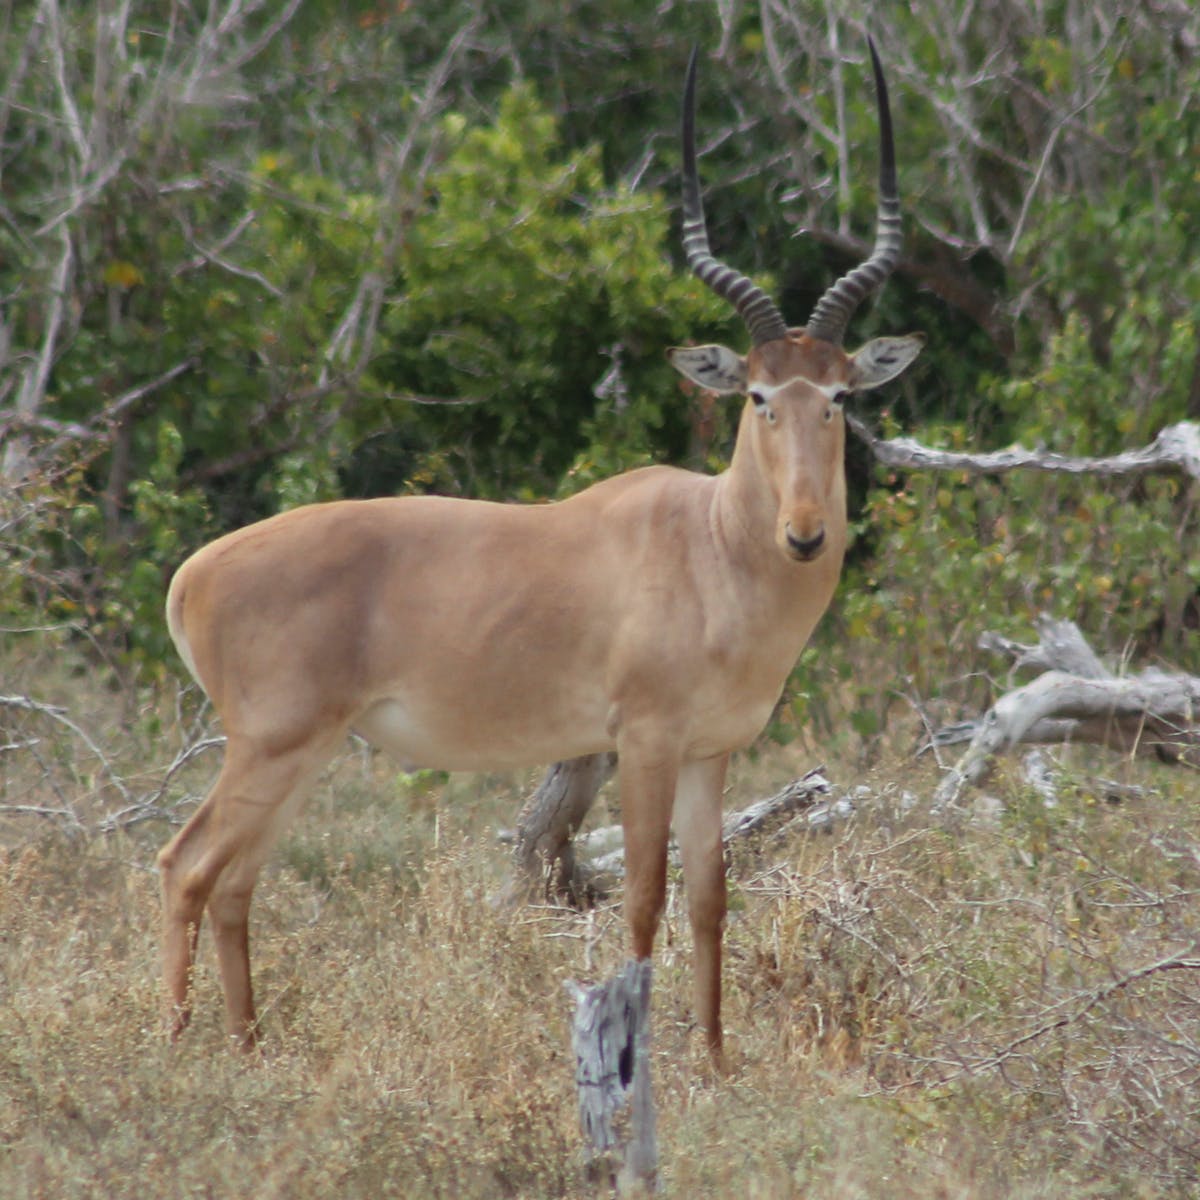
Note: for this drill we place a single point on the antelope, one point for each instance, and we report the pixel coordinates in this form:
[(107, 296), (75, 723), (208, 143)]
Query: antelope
[(657, 613)]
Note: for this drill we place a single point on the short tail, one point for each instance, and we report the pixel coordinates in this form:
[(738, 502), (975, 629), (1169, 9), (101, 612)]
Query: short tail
[(176, 600)]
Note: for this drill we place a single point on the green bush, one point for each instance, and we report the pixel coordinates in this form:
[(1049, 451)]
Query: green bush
[(956, 555)]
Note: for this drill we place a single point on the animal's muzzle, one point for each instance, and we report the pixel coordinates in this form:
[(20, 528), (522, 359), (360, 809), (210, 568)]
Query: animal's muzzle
[(805, 549)]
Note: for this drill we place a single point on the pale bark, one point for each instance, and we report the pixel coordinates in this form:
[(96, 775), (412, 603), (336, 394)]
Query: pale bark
[(98, 112), (610, 1035), (1076, 699), (96, 125), (1176, 448), (551, 861), (545, 853)]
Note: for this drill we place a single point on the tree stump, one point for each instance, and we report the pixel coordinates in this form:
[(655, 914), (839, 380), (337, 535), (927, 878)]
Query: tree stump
[(611, 1039), (544, 855)]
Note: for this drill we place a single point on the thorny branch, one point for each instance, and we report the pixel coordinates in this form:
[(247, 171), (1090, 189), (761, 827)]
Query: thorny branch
[(59, 715), (1080, 1005)]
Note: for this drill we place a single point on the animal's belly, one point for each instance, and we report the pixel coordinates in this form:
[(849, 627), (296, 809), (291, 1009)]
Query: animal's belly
[(472, 741)]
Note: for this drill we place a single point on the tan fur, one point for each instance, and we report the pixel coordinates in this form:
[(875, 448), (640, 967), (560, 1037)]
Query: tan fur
[(657, 613)]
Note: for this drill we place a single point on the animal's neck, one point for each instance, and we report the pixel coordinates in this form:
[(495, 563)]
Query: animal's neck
[(747, 505), (747, 484), (745, 512)]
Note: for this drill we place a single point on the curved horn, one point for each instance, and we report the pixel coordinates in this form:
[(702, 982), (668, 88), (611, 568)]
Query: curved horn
[(755, 307), (834, 310)]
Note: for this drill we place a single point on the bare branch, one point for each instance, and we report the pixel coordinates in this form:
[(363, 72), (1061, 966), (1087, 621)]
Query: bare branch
[(1077, 699), (943, 275), (235, 16), (98, 429), (1048, 149), (33, 385), (59, 715), (216, 254), (1060, 647), (94, 134), (71, 117), (149, 807), (127, 400), (351, 345), (16, 69), (1176, 448), (1077, 1007)]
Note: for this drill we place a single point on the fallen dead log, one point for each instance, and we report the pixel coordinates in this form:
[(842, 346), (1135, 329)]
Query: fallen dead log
[(581, 870), (544, 852), (1076, 699), (811, 794)]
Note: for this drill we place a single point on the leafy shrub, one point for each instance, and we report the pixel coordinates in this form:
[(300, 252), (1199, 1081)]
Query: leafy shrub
[(958, 554)]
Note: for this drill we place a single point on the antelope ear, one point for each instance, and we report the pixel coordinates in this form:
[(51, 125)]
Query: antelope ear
[(716, 368), (883, 359)]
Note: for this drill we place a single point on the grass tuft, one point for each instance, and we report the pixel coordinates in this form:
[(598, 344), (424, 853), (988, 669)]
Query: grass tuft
[(1008, 1007)]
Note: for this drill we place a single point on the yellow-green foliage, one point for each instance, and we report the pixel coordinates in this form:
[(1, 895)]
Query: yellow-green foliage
[(952, 555)]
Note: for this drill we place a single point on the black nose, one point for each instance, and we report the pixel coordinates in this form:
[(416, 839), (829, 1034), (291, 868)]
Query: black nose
[(806, 548)]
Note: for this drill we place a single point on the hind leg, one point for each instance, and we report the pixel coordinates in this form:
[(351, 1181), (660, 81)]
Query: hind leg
[(214, 860)]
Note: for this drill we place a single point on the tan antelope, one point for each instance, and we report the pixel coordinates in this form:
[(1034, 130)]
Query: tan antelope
[(657, 613)]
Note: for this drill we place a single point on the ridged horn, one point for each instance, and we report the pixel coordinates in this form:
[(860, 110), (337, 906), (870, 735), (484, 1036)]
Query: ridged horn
[(835, 308), (755, 307)]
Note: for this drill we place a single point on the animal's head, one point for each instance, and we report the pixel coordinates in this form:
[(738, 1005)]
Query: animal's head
[(796, 379)]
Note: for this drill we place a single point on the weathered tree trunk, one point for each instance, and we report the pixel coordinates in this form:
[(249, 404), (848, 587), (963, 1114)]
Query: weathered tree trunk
[(545, 853), (547, 856), (611, 1039), (1076, 699)]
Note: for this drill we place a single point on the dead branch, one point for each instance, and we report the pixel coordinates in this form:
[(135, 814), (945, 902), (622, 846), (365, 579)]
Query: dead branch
[(59, 715), (1074, 1009), (580, 871), (1060, 647), (801, 795), (134, 808), (810, 795), (1076, 699), (545, 850), (93, 122), (1068, 1012), (150, 806), (1176, 448)]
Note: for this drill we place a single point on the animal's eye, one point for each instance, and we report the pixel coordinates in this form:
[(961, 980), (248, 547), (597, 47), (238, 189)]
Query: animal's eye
[(761, 406)]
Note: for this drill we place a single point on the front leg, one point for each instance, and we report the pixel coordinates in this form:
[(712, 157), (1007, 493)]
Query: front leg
[(698, 805), (647, 772)]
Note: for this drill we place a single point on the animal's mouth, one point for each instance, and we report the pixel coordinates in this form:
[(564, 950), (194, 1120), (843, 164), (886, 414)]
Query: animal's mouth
[(805, 549)]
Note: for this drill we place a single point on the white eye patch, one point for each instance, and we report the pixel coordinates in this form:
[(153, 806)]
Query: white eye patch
[(764, 393)]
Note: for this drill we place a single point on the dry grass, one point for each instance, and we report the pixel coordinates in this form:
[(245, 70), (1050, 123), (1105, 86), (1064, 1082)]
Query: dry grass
[(1007, 1008)]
